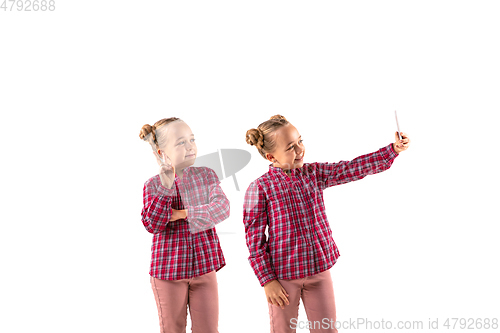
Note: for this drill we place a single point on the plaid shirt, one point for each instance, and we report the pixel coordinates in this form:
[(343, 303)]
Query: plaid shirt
[(300, 240), (185, 248)]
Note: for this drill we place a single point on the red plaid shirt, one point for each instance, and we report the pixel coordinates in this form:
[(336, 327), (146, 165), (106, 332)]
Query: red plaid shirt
[(300, 241), (185, 248)]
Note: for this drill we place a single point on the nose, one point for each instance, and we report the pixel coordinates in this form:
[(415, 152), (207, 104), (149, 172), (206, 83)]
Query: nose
[(189, 147)]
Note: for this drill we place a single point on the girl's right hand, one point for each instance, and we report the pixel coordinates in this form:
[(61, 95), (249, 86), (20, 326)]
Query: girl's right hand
[(276, 294), (401, 145), (167, 170)]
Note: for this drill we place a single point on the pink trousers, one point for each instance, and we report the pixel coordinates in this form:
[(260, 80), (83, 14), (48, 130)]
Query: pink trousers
[(174, 296), (317, 296)]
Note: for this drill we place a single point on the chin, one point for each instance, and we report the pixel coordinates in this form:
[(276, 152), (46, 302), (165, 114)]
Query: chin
[(189, 161), (186, 163)]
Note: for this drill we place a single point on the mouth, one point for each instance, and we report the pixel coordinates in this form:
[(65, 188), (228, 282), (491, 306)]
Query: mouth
[(300, 158), (190, 156)]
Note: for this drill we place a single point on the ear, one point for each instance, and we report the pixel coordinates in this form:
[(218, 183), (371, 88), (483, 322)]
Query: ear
[(269, 157)]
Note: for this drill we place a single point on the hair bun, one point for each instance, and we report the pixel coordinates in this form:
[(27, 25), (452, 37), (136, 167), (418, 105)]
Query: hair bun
[(255, 137), (263, 137), (278, 117), (145, 131)]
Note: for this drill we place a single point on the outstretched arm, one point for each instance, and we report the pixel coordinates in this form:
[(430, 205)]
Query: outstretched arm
[(331, 174)]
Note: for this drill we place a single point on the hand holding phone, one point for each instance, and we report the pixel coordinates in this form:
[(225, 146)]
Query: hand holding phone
[(402, 140)]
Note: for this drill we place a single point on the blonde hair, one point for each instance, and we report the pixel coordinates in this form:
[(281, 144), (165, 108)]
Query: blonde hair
[(155, 134), (263, 137)]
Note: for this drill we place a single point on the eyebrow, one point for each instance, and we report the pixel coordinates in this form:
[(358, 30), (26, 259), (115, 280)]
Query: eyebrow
[(182, 137), (292, 141)]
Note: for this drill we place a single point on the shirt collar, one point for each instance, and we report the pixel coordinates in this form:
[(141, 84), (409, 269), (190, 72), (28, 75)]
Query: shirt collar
[(277, 170), (186, 170)]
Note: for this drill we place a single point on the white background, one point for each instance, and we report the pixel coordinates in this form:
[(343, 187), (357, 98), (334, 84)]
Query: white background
[(417, 241)]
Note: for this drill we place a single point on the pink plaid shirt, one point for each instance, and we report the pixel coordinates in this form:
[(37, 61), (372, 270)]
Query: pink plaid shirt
[(185, 248), (300, 241)]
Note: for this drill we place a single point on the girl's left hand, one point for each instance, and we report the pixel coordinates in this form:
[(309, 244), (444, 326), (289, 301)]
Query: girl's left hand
[(403, 144), (178, 214)]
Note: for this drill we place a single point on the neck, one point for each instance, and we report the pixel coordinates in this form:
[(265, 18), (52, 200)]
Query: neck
[(279, 166), (287, 172)]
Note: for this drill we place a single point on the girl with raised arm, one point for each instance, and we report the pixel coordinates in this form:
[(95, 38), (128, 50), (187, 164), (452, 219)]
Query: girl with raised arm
[(293, 261)]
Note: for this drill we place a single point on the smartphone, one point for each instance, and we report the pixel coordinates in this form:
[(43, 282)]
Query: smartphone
[(397, 124)]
